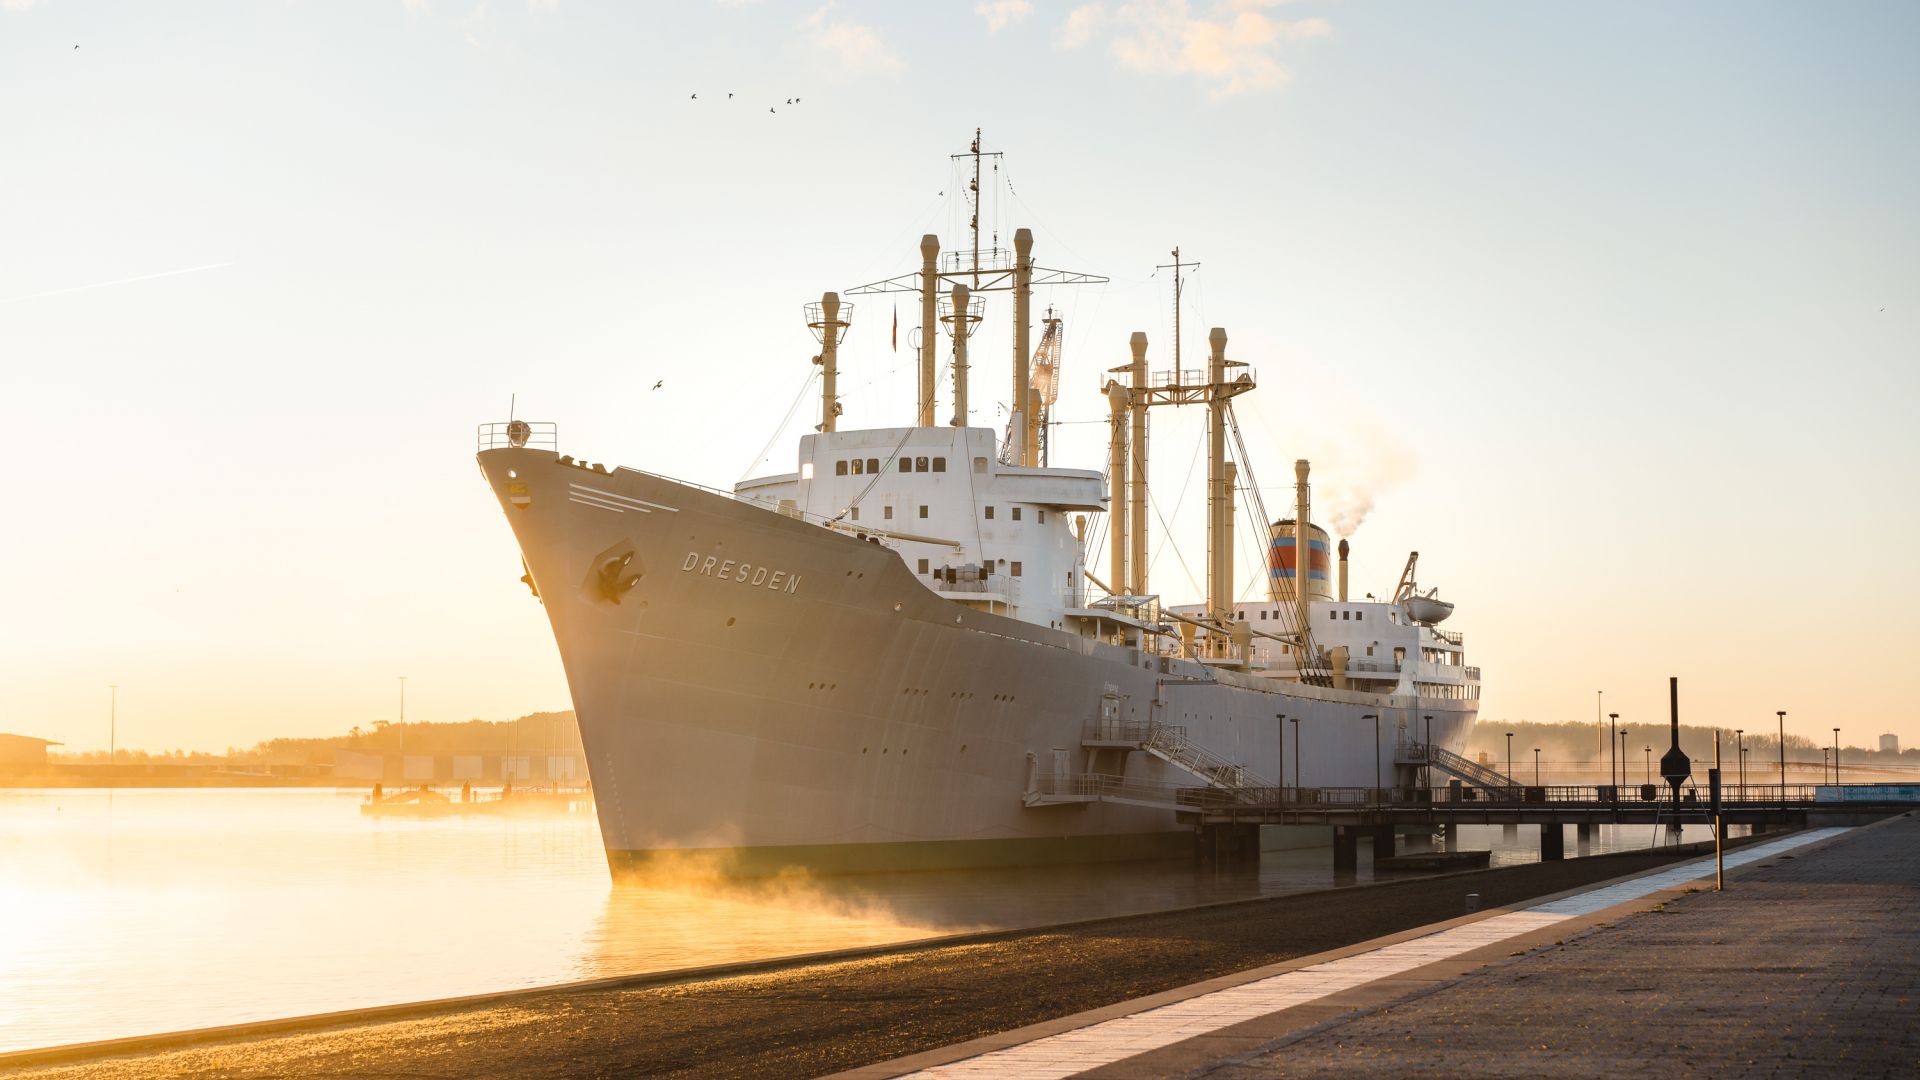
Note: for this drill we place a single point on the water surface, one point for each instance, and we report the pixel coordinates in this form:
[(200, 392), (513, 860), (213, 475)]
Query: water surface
[(147, 910)]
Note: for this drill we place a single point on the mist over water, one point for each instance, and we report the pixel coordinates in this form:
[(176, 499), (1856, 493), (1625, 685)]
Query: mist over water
[(140, 911)]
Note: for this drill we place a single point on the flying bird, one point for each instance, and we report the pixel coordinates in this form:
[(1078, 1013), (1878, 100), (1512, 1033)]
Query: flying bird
[(695, 97), (789, 101), (769, 108), (660, 384), (729, 95)]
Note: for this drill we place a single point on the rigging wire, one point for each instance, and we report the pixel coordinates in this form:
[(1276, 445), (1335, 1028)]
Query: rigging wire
[(885, 468), (767, 450)]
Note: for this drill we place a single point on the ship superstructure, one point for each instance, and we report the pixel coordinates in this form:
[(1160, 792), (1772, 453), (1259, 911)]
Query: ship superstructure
[(903, 652)]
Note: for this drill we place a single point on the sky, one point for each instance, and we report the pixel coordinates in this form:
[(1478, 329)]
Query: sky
[(1611, 311)]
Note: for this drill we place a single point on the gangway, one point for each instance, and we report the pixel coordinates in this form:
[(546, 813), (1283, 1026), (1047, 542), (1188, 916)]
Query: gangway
[(1468, 770), (1169, 743)]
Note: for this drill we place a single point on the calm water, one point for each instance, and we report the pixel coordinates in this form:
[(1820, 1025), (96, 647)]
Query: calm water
[(141, 911)]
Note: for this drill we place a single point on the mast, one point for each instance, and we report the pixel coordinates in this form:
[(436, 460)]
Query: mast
[(826, 321), (1117, 483), (929, 324), (1137, 451), (1022, 429), (1178, 286), (983, 271), (1302, 560), (963, 316), (1219, 498), (975, 188)]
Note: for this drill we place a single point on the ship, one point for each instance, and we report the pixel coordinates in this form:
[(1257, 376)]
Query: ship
[(905, 652)]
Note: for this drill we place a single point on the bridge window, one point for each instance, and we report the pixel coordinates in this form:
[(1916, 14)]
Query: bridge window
[(980, 465), (923, 511), (1043, 517), (923, 566), (919, 464), (1359, 615), (1334, 615), (1016, 569), (887, 512), (873, 466), (840, 468), (906, 464), (853, 513), (989, 513), (1016, 513), (856, 466), (939, 464)]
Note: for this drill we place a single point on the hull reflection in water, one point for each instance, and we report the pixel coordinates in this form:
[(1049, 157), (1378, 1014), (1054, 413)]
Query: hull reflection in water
[(142, 911)]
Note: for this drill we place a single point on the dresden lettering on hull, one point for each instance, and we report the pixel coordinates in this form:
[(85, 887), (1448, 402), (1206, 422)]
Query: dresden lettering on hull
[(744, 573)]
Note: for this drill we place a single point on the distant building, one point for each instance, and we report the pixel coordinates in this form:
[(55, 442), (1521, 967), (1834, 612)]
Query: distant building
[(23, 753), (1890, 744)]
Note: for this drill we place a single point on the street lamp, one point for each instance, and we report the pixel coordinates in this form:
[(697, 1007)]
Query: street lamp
[(1623, 757), (1613, 724), (1649, 764), (1375, 717), (1782, 714), (1836, 755), (1740, 754), (1509, 755), (1536, 766)]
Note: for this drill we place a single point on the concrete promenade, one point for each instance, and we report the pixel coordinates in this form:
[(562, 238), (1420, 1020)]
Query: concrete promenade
[(1809, 965)]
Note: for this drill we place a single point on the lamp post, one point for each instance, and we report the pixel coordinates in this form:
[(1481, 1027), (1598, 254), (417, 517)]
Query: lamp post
[(1836, 755), (1375, 717), (1509, 755), (1623, 757), (1649, 764), (1536, 766), (1296, 751), (1740, 755), (1613, 724), (1782, 714)]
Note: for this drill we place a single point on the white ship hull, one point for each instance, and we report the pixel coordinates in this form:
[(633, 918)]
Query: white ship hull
[(786, 693)]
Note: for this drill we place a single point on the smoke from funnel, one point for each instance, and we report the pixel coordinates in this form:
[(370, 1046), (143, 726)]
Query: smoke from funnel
[(1347, 514)]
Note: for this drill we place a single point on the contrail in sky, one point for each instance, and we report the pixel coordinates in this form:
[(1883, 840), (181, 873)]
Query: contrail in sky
[(106, 284)]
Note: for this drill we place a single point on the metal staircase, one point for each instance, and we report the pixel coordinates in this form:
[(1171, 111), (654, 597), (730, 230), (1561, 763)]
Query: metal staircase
[(1170, 744), (1469, 771)]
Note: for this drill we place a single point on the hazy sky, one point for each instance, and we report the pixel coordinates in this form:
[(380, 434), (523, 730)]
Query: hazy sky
[(1613, 310)]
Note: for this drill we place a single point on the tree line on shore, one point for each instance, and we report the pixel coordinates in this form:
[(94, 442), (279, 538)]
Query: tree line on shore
[(535, 733)]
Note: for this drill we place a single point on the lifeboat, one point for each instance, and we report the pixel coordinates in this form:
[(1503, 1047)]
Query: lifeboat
[(1428, 610)]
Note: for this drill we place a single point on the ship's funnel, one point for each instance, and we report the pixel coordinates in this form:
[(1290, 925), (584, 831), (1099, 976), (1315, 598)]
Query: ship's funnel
[(1343, 571)]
